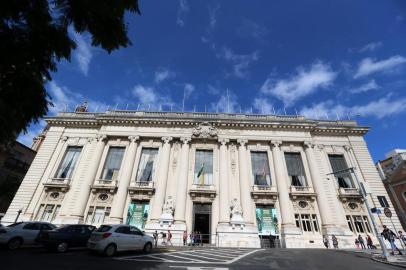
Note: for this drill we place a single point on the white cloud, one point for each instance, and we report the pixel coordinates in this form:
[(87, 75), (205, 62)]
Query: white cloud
[(252, 29), (83, 53), (150, 98), (305, 82), (240, 62), (162, 75), (368, 66), (371, 46), (188, 89), (182, 10), (226, 103), (380, 108), (263, 106), (213, 15), (369, 86)]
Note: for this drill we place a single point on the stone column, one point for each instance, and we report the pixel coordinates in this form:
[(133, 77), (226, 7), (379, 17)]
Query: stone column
[(83, 197), (117, 208), (223, 186), (282, 183), (245, 187), (180, 208), (156, 208), (317, 180)]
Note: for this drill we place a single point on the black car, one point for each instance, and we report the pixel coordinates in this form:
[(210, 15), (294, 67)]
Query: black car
[(65, 237)]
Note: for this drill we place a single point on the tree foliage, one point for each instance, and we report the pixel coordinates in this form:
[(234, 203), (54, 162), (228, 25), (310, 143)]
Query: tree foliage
[(34, 37)]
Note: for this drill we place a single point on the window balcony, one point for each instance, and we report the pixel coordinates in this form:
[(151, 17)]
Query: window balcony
[(302, 191), (61, 183), (202, 193), (142, 188), (264, 193), (349, 193), (104, 184)]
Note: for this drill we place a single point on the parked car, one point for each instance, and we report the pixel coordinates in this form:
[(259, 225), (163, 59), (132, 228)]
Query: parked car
[(109, 239), (65, 237), (23, 233)]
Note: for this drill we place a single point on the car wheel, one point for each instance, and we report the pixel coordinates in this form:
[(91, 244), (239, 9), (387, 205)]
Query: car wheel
[(110, 250), (62, 247), (14, 243), (147, 247)]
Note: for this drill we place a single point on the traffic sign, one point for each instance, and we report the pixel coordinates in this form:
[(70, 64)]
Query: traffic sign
[(387, 212)]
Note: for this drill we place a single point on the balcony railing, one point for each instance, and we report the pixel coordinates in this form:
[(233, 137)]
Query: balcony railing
[(300, 191), (264, 193), (202, 193), (345, 193), (105, 184), (263, 188), (63, 183), (142, 188), (203, 186)]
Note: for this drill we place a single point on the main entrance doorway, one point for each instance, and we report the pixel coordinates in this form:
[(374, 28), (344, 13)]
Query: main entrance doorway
[(137, 213), (202, 220)]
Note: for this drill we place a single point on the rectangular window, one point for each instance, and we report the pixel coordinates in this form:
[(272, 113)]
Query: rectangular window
[(146, 167), (69, 161), (315, 223), (47, 214), (343, 175), (366, 223), (40, 212), (297, 219), (306, 222), (382, 201), (349, 221), (358, 223), (261, 173), (113, 163), (295, 168), (203, 167), (96, 215), (90, 215)]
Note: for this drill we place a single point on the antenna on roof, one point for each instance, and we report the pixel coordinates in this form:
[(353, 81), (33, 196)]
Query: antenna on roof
[(284, 110), (273, 109), (97, 107), (149, 106), (126, 107), (338, 118), (326, 115), (115, 108), (240, 109), (183, 100), (296, 112), (317, 115), (138, 106), (194, 108), (228, 101)]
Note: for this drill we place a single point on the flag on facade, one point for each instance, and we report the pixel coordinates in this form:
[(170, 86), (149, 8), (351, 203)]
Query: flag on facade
[(200, 175)]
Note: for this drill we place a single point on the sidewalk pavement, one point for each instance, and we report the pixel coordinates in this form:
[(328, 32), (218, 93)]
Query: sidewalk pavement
[(376, 255)]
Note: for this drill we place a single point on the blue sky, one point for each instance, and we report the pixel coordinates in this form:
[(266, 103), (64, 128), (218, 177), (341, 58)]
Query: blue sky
[(323, 59)]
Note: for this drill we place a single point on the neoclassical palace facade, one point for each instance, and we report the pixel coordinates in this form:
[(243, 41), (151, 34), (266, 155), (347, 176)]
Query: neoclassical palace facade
[(234, 178)]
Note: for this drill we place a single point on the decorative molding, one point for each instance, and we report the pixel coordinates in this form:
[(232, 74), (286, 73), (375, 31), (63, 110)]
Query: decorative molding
[(276, 143), (176, 148), (233, 161), (64, 138), (308, 144), (167, 139), (205, 131), (133, 139), (347, 148), (223, 141), (185, 140), (101, 137), (242, 142)]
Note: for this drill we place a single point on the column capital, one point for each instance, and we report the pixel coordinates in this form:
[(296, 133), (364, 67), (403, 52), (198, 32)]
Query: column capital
[(133, 139), (347, 148), (320, 147), (64, 138), (308, 144), (276, 143), (101, 137), (167, 139), (223, 141), (185, 140), (242, 142)]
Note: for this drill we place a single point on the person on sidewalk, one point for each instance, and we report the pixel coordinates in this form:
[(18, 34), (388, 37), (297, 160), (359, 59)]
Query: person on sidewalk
[(155, 235), (184, 237), (335, 241), (391, 237), (325, 241), (169, 238), (402, 237), (163, 239), (357, 243), (370, 244), (361, 241)]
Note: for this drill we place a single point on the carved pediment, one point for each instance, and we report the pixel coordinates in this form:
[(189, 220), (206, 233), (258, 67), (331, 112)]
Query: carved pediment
[(205, 130)]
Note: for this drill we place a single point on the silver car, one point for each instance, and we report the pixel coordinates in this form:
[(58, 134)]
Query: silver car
[(109, 239), (23, 233)]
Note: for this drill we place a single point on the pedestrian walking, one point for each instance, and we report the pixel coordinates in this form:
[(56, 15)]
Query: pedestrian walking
[(335, 241), (357, 243), (325, 241), (370, 244), (402, 237), (163, 238), (390, 236), (169, 238), (192, 238), (196, 238), (184, 238), (361, 241), (155, 235)]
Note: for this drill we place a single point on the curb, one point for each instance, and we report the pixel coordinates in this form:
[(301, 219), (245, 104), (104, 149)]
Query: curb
[(389, 263)]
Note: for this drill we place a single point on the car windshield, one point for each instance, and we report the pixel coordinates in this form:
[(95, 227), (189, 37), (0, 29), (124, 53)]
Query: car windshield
[(103, 228), (62, 229)]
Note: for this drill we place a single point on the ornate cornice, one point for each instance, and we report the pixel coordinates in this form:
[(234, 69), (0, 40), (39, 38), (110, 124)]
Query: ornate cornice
[(207, 124)]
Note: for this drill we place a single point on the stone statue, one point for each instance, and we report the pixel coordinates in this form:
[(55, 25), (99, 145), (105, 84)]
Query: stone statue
[(235, 207), (168, 207)]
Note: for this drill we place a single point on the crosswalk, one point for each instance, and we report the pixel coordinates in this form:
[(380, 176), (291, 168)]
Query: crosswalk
[(203, 256)]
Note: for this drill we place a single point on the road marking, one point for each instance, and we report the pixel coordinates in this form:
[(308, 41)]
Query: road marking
[(198, 268)]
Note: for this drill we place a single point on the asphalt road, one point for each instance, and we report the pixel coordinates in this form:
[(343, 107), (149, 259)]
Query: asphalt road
[(309, 259)]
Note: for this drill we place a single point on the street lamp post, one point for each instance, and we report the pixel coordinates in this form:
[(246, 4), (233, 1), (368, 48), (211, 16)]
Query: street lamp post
[(371, 217)]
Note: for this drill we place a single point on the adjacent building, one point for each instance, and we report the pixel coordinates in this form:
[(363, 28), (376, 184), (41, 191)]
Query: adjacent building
[(235, 178), (15, 159), (393, 173)]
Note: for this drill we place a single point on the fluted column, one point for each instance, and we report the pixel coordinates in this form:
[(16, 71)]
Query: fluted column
[(223, 186), (156, 208), (90, 177), (117, 208), (245, 188), (318, 186), (282, 183), (180, 208)]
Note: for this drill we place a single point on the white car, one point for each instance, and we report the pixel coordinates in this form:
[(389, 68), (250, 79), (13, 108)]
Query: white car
[(23, 233), (109, 239)]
